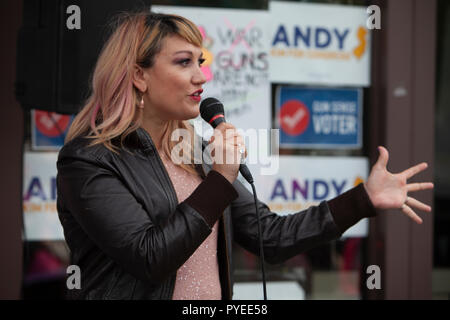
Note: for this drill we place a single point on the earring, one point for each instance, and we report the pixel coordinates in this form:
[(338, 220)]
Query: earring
[(141, 105)]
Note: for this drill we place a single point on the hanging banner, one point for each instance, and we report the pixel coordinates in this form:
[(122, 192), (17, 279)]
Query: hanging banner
[(303, 181), (236, 44), (319, 118), (48, 129), (319, 44), (39, 197)]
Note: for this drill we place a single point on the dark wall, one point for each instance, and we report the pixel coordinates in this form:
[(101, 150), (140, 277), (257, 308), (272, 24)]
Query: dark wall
[(402, 119), (11, 133)]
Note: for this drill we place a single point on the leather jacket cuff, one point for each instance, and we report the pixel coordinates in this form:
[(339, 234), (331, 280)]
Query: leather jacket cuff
[(350, 207), (212, 196)]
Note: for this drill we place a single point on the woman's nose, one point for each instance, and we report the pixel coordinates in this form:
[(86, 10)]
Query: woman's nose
[(199, 77)]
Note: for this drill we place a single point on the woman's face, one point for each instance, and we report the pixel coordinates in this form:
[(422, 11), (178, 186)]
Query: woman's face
[(174, 82)]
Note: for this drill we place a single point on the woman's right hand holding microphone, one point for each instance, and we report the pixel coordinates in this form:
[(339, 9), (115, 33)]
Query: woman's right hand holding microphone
[(227, 145)]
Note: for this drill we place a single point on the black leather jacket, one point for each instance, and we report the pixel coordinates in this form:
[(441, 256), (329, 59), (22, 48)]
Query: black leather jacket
[(129, 235)]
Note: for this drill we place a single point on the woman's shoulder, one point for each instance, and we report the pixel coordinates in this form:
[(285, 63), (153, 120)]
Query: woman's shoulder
[(82, 148)]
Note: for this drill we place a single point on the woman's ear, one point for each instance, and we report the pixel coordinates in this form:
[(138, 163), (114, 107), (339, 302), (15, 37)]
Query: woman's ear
[(138, 79)]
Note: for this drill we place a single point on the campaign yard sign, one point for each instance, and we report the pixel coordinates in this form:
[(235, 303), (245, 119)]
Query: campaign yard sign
[(320, 44), (305, 181), (319, 118), (39, 197)]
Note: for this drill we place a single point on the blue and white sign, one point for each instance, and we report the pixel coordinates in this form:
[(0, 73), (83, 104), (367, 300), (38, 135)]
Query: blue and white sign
[(319, 118), (39, 197), (316, 43), (304, 181)]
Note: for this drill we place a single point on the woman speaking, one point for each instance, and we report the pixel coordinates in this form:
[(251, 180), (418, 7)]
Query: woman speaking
[(143, 225)]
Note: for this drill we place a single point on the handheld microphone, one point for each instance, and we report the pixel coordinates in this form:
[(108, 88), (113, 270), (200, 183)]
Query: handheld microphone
[(211, 110)]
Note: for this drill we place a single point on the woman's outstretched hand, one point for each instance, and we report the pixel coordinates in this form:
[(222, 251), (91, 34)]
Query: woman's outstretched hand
[(390, 191)]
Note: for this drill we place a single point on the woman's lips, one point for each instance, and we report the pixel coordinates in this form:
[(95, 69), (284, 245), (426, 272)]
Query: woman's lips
[(196, 96)]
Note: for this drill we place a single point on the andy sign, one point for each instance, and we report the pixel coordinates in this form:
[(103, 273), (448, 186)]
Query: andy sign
[(39, 197), (305, 181), (319, 44)]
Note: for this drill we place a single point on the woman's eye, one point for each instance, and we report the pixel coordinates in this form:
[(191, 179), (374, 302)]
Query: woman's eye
[(185, 62)]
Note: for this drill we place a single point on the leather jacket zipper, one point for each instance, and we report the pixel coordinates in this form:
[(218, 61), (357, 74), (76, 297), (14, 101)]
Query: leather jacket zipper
[(173, 200), (169, 189)]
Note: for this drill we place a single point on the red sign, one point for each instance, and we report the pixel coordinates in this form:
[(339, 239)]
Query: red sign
[(51, 124), (294, 117)]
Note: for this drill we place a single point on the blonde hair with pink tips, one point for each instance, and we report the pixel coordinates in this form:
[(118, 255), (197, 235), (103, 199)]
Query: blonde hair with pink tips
[(112, 110)]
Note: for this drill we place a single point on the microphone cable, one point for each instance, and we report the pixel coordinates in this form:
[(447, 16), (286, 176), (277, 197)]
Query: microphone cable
[(249, 178), (261, 246)]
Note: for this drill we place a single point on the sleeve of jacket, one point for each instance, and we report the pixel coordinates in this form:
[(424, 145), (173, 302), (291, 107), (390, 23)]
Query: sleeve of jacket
[(116, 222), (287, 236)]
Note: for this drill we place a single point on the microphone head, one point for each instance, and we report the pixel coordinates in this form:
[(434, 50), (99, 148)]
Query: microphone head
[(211, 110)]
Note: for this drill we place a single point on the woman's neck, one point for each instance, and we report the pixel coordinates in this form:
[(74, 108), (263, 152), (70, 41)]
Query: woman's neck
[(155, 128)]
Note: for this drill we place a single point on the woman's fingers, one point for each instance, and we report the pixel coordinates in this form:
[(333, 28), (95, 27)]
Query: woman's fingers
[(419, 186), (408, 173), (232, 143), (236, 141), (411, 202), (410, 213), (417, 204), (242, 151)]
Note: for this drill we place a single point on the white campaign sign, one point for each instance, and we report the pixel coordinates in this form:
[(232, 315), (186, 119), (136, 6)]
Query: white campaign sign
[(319, 44), (303, 181), (39, 197)]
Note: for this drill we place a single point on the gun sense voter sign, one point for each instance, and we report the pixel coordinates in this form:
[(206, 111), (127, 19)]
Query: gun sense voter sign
[(319, 118)]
